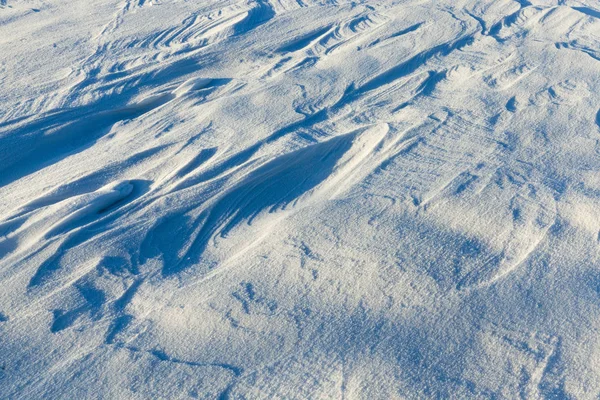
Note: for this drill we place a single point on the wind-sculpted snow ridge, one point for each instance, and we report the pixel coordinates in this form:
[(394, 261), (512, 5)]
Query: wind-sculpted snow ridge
[(299, 199)]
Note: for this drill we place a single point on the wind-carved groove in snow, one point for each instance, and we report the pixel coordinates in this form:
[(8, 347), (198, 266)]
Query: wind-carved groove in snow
[(104, 200), (62, 133), (589, 11), (411, 65), (576, 45), (303, 41), (77, 213), (518, 24), (350, 31), (196, 31), (172, 50), (387, 39), (318, 172), (305, 50), (162, 356), (56, 135), (202, 30), (329, 39)]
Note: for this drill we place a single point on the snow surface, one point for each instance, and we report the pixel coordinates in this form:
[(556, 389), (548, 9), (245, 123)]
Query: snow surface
[(299, 199)]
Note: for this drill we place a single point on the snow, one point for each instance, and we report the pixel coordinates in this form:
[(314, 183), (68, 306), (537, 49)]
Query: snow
[(299, 199)]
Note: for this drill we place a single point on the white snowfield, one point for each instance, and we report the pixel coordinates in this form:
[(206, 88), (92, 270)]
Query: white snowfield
[(299, 199)]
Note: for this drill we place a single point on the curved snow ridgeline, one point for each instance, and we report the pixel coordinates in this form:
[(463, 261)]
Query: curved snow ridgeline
[(299, 199)]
